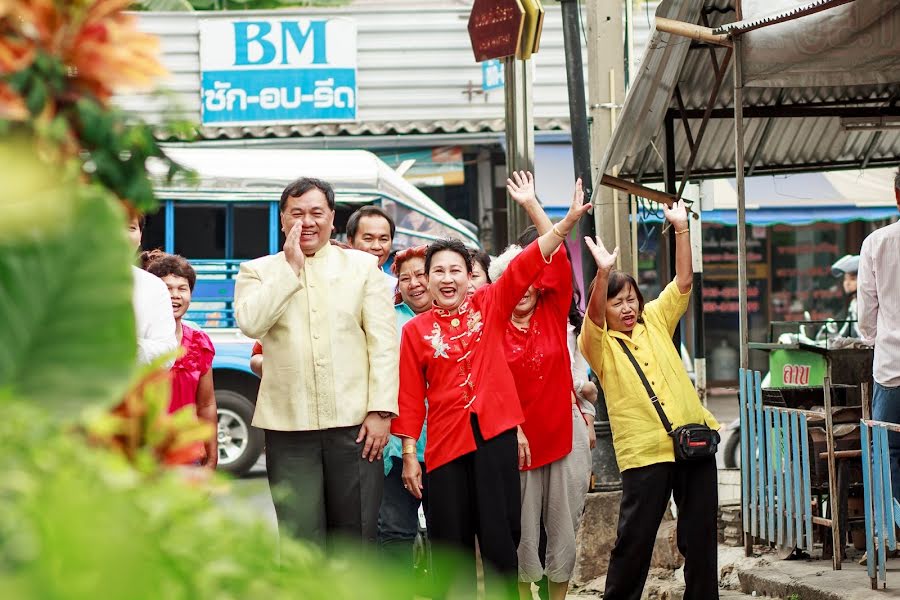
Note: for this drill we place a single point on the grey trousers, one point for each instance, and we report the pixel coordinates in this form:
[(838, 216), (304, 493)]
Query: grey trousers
[(554, 495), (322, 489)]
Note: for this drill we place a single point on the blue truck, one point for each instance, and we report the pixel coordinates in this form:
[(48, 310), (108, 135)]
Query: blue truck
[(227, 211)]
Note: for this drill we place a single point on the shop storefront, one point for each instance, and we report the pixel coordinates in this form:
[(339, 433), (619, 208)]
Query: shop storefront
[(790, 250)]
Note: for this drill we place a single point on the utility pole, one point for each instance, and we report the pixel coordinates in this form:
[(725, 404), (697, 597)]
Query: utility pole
[(519, 135), (579, 126), (606, 94)]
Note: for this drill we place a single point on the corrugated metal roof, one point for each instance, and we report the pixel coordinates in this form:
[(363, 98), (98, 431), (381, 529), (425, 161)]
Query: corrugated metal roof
[(790, 144), (379, 128), (416, 74)]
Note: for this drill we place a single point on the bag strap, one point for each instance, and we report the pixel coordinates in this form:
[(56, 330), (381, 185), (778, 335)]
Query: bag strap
[(653, 398)]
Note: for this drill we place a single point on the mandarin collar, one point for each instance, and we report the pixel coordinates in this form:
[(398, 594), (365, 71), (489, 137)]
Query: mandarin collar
[(321, 252), (460, 310)]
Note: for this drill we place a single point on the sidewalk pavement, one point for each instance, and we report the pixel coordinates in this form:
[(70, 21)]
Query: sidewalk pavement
[(764, 575), (813, 579)]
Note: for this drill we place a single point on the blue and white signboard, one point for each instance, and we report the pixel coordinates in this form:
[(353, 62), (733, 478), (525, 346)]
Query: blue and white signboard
[(273, 70), (491, 74)]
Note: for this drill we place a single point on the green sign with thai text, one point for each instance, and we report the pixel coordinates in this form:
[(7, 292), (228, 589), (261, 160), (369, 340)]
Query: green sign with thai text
[(790, 368)]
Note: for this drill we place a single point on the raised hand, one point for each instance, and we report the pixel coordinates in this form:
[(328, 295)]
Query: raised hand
[(292, 251), (521, 187), (577, 209), (676, 215), (605, 261)]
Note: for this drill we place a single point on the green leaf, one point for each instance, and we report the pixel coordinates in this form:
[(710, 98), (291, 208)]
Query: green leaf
[(68, 334), (36, 98)]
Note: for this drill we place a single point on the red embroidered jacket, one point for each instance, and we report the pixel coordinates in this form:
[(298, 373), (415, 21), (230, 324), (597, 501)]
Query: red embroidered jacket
[(458, 357)]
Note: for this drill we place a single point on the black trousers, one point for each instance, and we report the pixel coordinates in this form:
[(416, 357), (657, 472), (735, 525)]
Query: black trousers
[(645, 494), (322, 488), (477, 495)]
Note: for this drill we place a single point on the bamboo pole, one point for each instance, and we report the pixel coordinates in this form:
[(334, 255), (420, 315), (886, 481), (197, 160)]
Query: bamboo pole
[(692, 31)]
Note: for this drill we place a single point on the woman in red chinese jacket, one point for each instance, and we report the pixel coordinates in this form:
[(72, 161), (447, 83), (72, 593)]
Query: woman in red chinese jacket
[(455, 352), (554, 440)]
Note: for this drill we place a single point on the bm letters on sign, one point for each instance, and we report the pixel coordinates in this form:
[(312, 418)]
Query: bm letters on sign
[(256, 36)]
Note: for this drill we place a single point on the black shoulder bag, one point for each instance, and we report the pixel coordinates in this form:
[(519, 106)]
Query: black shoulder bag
[(692, 441)]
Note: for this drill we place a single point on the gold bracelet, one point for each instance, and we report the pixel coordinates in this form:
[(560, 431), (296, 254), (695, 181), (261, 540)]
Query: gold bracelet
[(688, 230), (557, 233), (409, 449)]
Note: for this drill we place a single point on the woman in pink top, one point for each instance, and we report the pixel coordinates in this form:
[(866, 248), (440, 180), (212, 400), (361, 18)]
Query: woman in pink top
[(192, 380)]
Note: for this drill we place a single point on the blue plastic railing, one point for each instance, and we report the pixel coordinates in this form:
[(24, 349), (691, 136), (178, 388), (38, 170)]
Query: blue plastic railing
[(212, 303), (881, 509)]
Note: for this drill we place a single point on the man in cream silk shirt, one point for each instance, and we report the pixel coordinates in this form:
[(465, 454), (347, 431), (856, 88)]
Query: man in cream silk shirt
[(878, 305), (329, 388)]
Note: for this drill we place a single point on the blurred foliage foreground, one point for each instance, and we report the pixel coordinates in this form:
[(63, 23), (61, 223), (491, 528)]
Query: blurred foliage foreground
[(84, 514), (92, 505), (92, 502)]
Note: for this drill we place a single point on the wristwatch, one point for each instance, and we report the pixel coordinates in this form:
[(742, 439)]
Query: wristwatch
[(385, 414)]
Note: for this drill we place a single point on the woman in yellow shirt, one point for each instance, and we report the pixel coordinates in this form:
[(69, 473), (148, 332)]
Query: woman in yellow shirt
[(644, 451)]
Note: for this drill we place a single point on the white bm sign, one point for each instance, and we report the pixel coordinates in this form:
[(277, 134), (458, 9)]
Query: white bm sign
[(277, 70)]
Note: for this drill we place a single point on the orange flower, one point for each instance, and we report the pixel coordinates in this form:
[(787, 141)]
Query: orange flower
[(12, 106), (99, 44)]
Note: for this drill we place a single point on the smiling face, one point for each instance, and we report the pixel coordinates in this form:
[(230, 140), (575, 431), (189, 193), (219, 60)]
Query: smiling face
[(623, 310), (316, 218), (180, 293), (479, 277), (373, 235), (413, 284), (448, 279)]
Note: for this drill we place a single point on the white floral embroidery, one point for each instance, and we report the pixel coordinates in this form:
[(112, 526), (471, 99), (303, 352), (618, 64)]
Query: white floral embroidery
[(437, 342)]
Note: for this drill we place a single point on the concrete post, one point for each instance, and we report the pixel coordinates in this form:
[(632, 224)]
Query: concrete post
[(519, 135), (606, 94)]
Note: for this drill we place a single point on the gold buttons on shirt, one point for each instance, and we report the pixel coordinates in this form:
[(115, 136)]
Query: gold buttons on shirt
[(455, 322)]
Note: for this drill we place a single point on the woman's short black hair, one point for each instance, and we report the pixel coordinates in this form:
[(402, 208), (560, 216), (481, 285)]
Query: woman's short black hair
[(617, 282), (450, 245), (297, 188), (484, 259), (162, 264)]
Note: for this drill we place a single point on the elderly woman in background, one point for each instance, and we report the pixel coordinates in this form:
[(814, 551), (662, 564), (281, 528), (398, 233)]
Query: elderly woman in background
[(585, 390), (192, 379), (454, 354), (621, 329), (554, 441), (398, 518)]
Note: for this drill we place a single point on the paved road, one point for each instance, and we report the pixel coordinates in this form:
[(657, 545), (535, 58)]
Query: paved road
[(253, 490)]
